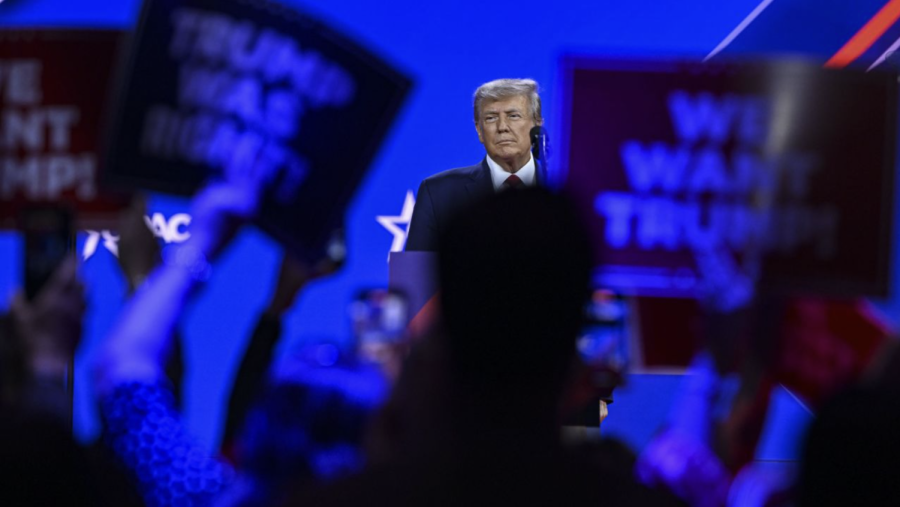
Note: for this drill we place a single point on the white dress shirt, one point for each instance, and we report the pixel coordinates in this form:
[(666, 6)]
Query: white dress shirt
[(499, 175)]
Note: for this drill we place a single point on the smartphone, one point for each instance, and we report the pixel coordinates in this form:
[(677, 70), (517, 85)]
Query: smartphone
[(603, 341), (379, 318), (603, 349), (48, 238)]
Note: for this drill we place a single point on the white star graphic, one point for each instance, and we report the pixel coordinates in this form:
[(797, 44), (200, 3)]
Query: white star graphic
[(393, 223)]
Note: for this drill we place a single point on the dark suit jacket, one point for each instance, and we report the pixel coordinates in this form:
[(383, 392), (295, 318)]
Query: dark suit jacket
[(440, 197)]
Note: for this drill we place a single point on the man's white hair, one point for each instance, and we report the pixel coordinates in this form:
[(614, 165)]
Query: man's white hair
[(500, 89)]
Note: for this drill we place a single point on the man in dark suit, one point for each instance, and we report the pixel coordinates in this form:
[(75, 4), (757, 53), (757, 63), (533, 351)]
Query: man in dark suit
[(505, 112)]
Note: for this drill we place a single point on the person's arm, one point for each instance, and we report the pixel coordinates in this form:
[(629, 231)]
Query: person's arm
[(422, 232), (143, 427), (138, 248), (139, 344), (250, 377), (137, 347), (701, 479), (292, 278), (48, 330), (138, 255)]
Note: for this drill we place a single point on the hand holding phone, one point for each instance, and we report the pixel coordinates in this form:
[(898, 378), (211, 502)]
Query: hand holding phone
[(380, 318), (603, 343), (48, 239)]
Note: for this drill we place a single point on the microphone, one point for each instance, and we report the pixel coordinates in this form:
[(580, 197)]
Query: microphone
[(540, 148), (540, 144)]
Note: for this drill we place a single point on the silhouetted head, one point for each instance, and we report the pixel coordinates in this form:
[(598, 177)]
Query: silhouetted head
[(514, 274), (40, 464), (12, 363), (852, 451), (308, 425)]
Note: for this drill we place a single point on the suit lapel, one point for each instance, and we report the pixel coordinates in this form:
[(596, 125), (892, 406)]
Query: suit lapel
[(480, 185)]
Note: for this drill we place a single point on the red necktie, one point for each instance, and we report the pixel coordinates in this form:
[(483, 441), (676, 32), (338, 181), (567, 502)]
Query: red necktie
[(513, 182)]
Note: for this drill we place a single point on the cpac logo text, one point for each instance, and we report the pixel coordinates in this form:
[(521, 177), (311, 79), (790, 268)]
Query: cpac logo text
[(173, 230)]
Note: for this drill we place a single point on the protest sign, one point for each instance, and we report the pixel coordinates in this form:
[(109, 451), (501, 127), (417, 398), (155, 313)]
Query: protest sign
[(53, 89), (220, 88), (697, 176)]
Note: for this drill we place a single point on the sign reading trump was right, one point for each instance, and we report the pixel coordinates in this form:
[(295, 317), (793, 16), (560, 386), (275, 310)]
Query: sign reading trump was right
[(698, 177), (227, 88)]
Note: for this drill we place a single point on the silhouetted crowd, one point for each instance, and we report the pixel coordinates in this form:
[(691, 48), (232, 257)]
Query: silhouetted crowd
[(473, 417)]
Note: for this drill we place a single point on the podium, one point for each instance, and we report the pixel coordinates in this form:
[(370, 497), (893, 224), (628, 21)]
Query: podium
[(415, 275)]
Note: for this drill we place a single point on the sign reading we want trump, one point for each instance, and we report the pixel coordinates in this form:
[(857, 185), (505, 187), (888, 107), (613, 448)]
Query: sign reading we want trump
[(695, 176), (53, 90)]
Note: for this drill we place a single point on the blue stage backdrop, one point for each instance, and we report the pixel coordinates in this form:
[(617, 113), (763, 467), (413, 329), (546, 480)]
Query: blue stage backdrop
[(448, 49)]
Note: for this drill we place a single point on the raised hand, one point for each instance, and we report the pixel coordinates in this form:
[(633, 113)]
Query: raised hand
[(50, 325), (138, 246), (218, 211)]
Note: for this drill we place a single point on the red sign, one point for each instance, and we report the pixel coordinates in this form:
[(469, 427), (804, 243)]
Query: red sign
[(54, 87), (696, 176), (828, 344)]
